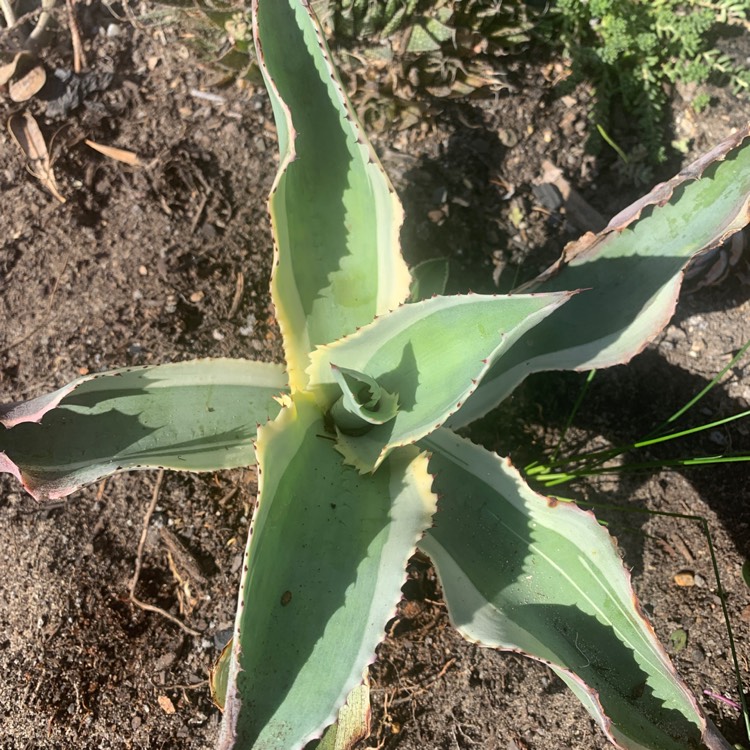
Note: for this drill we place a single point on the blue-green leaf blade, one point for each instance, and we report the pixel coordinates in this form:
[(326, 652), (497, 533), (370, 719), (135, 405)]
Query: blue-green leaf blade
[(193, 416), (523, 572), (431, 355), (631, 273), (335, 215), (325, 563)]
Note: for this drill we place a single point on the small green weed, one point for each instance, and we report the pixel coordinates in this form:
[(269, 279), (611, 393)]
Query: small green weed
[(560, 470), (632, 51)]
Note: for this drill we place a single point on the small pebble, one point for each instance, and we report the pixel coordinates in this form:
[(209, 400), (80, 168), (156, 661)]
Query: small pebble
[(166, 704), (718, 437), (685, 578)]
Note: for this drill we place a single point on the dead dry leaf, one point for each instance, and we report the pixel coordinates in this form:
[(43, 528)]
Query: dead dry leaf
[(7, 70), (23, 88), (118, 154), (26, 133)]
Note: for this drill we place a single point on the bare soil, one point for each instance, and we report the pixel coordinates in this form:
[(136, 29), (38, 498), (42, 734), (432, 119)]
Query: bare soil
[(170, 260)]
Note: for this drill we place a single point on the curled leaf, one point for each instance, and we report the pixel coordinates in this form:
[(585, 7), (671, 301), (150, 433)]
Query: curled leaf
[(27, 134)]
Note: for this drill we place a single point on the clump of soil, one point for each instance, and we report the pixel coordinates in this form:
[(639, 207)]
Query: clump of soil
[(170, 261)]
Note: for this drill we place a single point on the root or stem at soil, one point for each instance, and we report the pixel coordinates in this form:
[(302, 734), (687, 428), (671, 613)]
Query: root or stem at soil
[(139, 562), (79, 61), (8, 13), (34, 40)]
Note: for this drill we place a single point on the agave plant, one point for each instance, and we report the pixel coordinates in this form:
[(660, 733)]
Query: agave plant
[(357, 456)]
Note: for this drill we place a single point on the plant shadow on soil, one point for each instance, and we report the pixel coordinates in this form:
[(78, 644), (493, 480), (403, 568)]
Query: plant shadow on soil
[(171, 262), (625, 404)]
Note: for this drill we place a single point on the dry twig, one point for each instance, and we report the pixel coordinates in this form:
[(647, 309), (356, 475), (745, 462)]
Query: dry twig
[(79, 61), (139, 562)]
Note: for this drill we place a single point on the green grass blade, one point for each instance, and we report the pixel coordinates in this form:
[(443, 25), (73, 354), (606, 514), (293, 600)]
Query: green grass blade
[(586, 461), (192, 416), (576, 406), (335, 215), (690, 430), (715, 380), (323, 573)]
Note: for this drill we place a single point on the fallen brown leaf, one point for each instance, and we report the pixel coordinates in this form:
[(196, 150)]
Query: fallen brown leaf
[(7, 70), (26, 133), (118, 154), (23, 88)]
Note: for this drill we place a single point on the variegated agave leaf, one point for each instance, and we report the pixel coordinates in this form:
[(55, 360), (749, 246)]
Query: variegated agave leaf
[(526, 573), (631, 273), (194, 416)]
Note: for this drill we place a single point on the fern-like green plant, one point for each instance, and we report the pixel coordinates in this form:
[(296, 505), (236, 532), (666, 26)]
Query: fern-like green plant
[(631, 50)]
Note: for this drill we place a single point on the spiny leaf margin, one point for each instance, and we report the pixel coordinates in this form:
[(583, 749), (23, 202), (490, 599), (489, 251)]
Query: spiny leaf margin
[(308, 622), (431, 355), (525, 573), (324, 283), (634, 270), (198, 415)]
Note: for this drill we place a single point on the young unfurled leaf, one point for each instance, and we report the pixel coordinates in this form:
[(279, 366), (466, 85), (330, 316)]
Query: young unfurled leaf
[(363, 402), (430, 355)]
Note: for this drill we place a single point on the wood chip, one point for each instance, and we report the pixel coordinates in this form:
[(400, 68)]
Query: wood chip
[(685, 578), (23, 88), (118, 154), (681, 546), (183, 558), (166, 704), (578, 210), (238, 292)]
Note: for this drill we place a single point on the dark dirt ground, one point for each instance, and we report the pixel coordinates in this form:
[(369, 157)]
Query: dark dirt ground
[(170, 261)]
